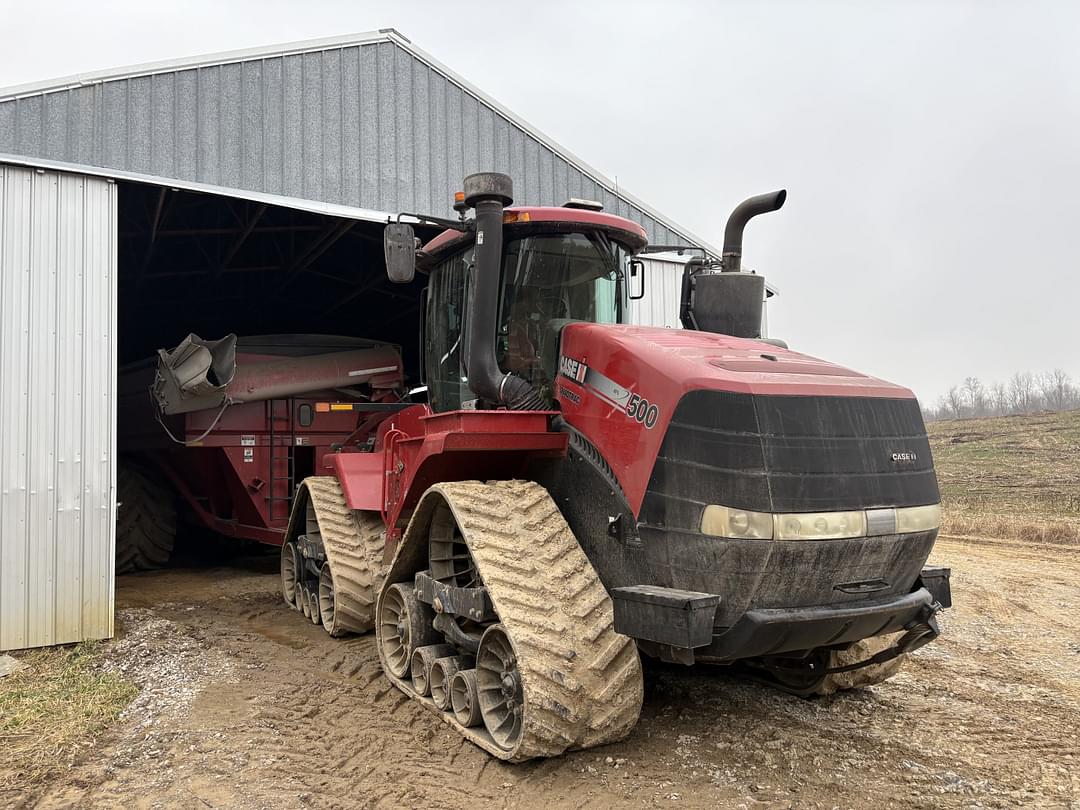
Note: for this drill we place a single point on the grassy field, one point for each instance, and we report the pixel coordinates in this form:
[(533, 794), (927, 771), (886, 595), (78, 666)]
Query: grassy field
[(52, 709), (1015, 477)]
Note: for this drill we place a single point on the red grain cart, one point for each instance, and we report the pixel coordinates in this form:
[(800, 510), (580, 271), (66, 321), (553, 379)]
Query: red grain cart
[(228, 447)]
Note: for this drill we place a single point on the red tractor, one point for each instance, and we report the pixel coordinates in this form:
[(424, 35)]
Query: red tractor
[(577, 492)]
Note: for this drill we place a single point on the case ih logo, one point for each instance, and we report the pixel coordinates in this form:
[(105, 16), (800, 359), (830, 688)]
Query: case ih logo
[(606, 389), (572, 369), (906, 457)]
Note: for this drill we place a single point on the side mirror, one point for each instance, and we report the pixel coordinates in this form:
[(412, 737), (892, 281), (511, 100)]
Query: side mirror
[(635, 285), (399, 247)]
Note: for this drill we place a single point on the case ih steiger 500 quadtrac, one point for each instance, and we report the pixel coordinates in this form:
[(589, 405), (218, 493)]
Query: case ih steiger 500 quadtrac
[(577, 492)]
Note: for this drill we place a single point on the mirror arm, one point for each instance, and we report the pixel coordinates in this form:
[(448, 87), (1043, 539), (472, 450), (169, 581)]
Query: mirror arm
[(453, 224), (676, 249)]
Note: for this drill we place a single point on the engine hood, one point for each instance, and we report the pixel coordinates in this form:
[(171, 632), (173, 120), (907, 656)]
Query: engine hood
[(693, 360), (619, 386)]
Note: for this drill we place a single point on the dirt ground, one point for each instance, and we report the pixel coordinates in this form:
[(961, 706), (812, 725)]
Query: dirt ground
[(243, 704)]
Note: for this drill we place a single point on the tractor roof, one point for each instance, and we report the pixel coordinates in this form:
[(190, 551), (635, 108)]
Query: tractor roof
[(618, 228)]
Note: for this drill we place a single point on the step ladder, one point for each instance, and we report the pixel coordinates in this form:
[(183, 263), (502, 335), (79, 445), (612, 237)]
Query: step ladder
[(282, 483)]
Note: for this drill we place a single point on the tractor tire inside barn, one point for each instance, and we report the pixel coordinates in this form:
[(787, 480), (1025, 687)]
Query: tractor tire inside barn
[(145, 520)]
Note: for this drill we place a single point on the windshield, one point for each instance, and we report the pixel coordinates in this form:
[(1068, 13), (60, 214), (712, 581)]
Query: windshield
[(547, 280)]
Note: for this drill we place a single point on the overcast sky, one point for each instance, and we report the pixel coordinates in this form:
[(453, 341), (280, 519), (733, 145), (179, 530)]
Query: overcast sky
[(930, 150)]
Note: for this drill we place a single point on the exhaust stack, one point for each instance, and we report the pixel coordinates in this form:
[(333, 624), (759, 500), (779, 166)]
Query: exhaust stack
[(488, 193), (729, 302), (731, 262)]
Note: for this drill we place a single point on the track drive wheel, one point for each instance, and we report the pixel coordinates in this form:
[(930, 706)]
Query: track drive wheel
[(498, 683), (404, 627)]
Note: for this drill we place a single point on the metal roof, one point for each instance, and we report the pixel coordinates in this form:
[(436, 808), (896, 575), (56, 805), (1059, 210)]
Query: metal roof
[(366, 121), (295, 203)]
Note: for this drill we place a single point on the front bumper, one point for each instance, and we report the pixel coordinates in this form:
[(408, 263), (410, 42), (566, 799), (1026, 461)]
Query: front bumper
[(672, 627), (778, 632)]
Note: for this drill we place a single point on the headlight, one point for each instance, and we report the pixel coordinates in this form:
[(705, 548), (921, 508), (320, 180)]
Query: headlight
[(720, 521), (821, 526), (918, 518), (726, 521)]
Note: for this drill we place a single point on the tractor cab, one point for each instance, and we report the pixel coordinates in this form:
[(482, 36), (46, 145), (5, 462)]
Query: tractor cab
[(502, 286)]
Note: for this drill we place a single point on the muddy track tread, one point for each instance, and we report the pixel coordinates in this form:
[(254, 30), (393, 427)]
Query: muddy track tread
[(582, 681), (353, 544)]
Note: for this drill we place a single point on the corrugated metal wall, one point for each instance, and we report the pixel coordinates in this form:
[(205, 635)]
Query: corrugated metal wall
[(659, 306), (369, 125), (57, 395)]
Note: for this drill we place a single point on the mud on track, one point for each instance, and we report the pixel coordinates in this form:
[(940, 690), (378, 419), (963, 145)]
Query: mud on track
[(246, 705)]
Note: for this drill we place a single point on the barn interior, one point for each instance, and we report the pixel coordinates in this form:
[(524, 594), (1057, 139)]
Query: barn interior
[(210, 264)]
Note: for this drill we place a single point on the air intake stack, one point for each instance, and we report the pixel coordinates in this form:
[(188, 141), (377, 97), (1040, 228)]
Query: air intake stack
[(729, 302)]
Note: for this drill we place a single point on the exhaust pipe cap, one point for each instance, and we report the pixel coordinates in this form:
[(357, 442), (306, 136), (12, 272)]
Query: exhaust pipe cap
[(488, 186)]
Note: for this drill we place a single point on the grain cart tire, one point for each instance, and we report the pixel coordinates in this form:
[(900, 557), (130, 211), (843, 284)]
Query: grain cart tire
[(864, 676), (145, 520), (576, 683), (352, 542)]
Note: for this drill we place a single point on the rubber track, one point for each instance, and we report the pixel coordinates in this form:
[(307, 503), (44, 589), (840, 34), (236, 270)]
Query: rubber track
[(145, 521), (353, 542), (866, 676), (582, 681)]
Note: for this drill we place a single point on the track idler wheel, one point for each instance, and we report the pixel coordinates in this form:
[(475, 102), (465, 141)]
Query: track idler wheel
[(288, 573), (442, 675), (405, 625), (420, 666), (498, 683), (313, 606), (464, 699)]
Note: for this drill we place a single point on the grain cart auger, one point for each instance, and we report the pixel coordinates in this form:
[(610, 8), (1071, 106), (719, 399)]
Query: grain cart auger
[(577, 491)]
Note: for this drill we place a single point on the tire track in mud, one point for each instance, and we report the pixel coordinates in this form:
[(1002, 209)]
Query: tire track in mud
[(988, 714)]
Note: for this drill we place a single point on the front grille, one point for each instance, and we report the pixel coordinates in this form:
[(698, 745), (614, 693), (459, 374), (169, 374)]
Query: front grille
[(788, 454)]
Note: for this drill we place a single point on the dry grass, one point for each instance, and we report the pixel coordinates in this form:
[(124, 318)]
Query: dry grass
[(49, 711), (1014, 477)]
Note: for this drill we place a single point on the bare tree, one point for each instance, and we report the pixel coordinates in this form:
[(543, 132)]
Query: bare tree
[(999, 396), (1022, 393), (954, 403), (1057, 390), (975, 396)]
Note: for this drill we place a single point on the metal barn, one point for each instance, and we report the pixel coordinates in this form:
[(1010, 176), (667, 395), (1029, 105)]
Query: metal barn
[(241, 192), (659, 306)]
